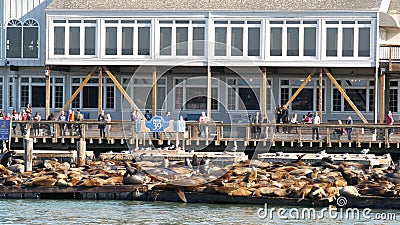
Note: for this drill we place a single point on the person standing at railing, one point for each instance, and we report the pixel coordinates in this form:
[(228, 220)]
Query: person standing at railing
[(15, 117), (203, 119), (315, 130), (79, 118), (293, 121), (71, 118), (285, 118), (389, 122), (102, 127), (36, 124), (278, 116), (349, 121), (24, 117), (63, 126), (265, 127), (256, 125), (108, 126), (50, 126)]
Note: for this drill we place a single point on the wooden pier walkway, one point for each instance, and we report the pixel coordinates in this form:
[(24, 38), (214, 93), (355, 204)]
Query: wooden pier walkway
[(219, 134)]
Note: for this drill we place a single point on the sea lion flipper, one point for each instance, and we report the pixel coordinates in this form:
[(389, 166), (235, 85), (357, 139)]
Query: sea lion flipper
[(181, 195)]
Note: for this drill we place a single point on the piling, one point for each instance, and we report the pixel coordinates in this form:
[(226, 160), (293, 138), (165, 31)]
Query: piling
[(81, 147), (28, 147)]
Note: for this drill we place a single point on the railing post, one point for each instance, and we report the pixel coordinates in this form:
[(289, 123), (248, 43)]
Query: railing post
[(299, 137), (328, 137)]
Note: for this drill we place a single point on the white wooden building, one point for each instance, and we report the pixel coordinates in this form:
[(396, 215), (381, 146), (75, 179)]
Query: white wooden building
[(248, 55)]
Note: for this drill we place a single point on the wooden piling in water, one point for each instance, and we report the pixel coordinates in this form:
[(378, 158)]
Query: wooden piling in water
[(28, 147)]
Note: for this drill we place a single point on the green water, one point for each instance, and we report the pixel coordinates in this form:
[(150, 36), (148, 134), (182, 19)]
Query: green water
[(132, 212)]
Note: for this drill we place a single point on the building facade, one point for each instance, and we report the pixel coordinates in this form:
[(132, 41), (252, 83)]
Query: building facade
[(229, 58)]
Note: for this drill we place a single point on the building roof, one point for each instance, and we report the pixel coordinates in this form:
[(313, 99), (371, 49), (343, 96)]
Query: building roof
[(394, 6), (240, 5)]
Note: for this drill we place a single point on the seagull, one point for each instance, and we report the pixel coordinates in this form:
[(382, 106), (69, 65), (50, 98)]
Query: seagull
[(279, 153)]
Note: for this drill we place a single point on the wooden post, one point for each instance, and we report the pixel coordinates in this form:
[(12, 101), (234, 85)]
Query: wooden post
[(209, 91), (346, 97), (77, 91), (264, 93), (154, 92), (100, 92), (28, 147), (48, 92), (305, 82), (382, 98), (122, 90), (81, 145), (320, 94)]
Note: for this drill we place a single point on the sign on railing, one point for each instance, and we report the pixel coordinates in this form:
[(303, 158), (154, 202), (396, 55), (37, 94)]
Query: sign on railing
[(5, 130), (158, 124)]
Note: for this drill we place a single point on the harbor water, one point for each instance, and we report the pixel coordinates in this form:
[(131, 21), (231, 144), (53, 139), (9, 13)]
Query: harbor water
[(133, 212)]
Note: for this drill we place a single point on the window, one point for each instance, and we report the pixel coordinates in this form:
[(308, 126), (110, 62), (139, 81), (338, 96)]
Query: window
[(144, 41), (165, 40), (292, 41), (348, 38), (190, 94), (33, 91), (307, 100), (244, 94), (111, 41), (359, 91), (22, 40), (393, 96), (74, 37), (13, 41), (237, 38), (88, 97), (142, 92)]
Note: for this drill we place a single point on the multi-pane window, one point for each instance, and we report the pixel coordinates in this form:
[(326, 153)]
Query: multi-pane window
[(237, 38), (127, 37), (348, 38), (88, 97), (194, 94), (308, 98), (33, 91), (74, 37), (142, 93), (293, 38), (22, 39), (393, 96), (359, 92), (244, 94), (182, 37)]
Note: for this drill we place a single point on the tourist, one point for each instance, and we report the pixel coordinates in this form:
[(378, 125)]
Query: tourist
[(1, 115), (7, 117), (147, 115), (23, 116), (308, 118), (78, 126), (315, 130), (339, 131), (278, 116), (71, 118), (203, 119), (285, 118), (135, 116), (265, 127), (349, 121), (15, 117), (389, 122), (36, 124), (167, 116), (28, 109), (63, 126), (108, 126), (293, 121), (50, 126), (102, 127), (256, 125)]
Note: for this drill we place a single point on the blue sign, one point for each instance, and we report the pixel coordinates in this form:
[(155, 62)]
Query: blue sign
[(156, 124), (4, 130)]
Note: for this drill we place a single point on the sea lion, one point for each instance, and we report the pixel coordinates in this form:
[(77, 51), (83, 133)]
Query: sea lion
[(240, 192), (251, 176), (317, 193), (349, 191), (7, 158), (204, 165)]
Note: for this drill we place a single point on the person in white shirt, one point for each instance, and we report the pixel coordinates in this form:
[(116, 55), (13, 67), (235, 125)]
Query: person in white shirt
[(315, 130)]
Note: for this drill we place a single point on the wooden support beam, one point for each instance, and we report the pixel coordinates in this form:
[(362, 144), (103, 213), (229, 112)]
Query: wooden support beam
[(209, 92), (264, 92), (48, 92), (382, 98), (100, 92), (346, 97), (122, 90), (305, 82), (154, 92), (77, 91), (320, 94)]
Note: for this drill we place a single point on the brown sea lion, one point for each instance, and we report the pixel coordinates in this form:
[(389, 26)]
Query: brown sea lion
[(251, 176), (240, 192)]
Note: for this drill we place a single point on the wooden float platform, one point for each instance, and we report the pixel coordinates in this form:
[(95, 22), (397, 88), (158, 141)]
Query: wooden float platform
[(142, 193), (174, 155), (60, 155), (365, 159)]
